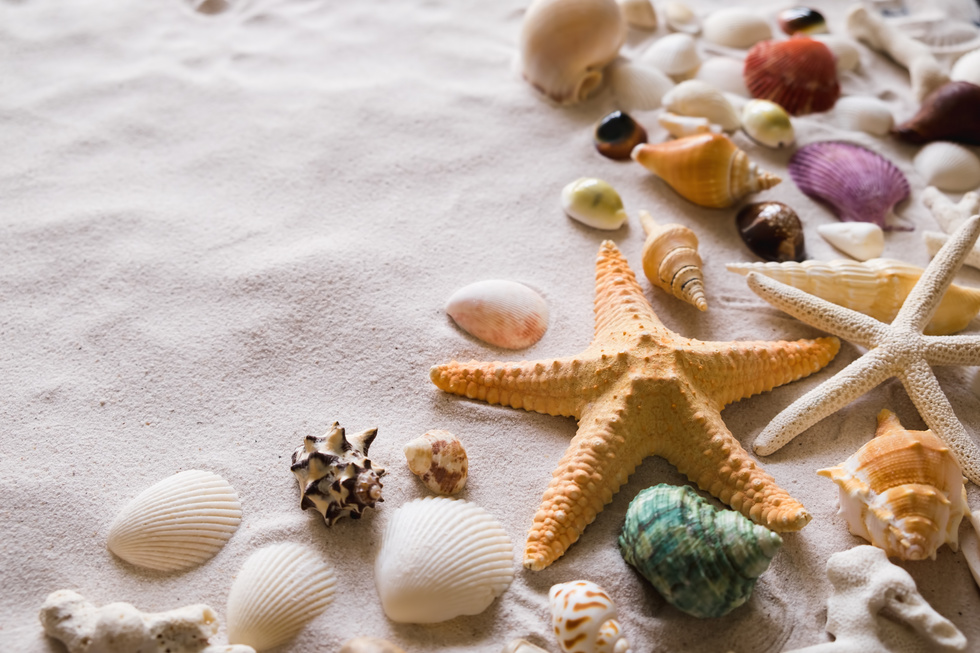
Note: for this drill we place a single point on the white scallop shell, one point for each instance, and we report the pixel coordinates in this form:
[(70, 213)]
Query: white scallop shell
[(502, 313), (639, 13), (967, 68), (725, 74), (278, 590), (696, 98), (860, 240), (441, 558), (675, 54), (862, 113), (680, 18), (585, 619), (637, 87), (681, 126), (736, 27), (844, 49), (180, 522), (948, 166)]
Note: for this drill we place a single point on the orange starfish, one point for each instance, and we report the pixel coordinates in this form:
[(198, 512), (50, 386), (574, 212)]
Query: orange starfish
[(641, 390)]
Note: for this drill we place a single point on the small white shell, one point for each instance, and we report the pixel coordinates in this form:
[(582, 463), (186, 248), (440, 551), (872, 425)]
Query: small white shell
[(844, 49), (675, 54), (681, 126), (593, 202), (585, 619), (862, 113), (522, 646), (278, 590), (948, 166), (639, 13), (736, 27), (637, 87), (768, 124), (180, 522), (967, 68), (680, 18), (697, 98), (860, 240), (502, 313), (441, 558), (725, 74), (439, 460)]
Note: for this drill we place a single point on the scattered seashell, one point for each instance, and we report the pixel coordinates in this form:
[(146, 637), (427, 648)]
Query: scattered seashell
[(335, 476), (680, 18), (696, 98), (439, 460), (637, 87), (671, 261), (800, 74), (951, 113), (704, 561), (565, 44), (772, 231), (369, 645), (767, 123), (522, 646), (942, 35), (860, 240), (725, 74), (736, 27), (585, 619), (877, 287), (858, 184), (278, 590), (639, 13), (844, 50), (674, 54), (967, 68), (902, 491), (707, 169), (681, 126), (615, 137), (948, 166), (501, 313), (593, 202), (801, 20), (862, 113), (177, 523), (441, 558)]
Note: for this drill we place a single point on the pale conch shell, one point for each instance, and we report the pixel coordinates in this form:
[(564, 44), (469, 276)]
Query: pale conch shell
[(696, 98), (877, 288), (439, 460), (860, 240), (967, 68), (639, 13), (707, 169), (725, 74), (681, 126), (736, 27), (674, 54), (862, 113), (500, 312), (565, 44), (671, 261), (585, 619), (948, 166)]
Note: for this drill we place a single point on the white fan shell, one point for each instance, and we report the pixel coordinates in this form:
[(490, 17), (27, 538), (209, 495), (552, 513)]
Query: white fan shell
[(948, 166)]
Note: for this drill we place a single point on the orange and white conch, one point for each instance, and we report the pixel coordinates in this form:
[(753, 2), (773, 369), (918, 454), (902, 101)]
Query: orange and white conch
[(671, 260), (585, 619)]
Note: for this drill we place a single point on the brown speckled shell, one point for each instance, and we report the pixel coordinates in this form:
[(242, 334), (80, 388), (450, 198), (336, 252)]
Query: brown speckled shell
[(439, 460)]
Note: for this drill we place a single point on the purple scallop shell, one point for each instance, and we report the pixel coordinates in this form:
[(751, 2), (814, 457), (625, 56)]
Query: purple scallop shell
[(858, 184)]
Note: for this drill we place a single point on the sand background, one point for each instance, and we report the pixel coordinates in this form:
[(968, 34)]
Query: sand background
[(221, 232)]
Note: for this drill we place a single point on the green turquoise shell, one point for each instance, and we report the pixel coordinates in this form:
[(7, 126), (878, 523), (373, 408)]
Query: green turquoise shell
[(704, 561)]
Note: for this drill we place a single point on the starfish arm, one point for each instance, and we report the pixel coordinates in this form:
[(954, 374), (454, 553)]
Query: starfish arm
[(843, 322), (952, 350), (847, 385), (928, 397), (619, 301)]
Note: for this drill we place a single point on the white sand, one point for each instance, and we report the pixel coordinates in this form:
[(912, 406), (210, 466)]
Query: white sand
[(220, 233)]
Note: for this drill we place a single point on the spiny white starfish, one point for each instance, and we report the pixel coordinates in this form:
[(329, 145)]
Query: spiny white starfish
[(950, 216), (897, 349)]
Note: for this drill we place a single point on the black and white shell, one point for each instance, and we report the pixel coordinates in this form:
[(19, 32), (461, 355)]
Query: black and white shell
[(335, 475)]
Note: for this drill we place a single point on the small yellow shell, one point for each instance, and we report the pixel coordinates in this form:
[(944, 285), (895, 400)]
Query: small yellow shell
[(593, 202), (671, 261), (767, 124)]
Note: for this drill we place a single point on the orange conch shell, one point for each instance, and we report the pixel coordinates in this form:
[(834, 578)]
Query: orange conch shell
[(707, 169), (902, 491), (671, 260)]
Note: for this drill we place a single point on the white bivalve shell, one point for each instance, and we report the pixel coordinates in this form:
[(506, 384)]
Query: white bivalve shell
[(502, 313), (860, 240), (697, 98), (278, 590), (178, 523), (725, 74), (639, 13), (768, 124), (736, 27), (674, 54), (439, 460), (861, 113), (844, 50), (441, 558), (680, 18), (637, 87), (585, 619), (948, 166), (967, 68)]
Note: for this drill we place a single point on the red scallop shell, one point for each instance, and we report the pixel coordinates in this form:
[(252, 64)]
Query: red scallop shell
[(799, 74)]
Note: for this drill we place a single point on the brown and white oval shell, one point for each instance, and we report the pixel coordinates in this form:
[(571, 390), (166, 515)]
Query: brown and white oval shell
[(502, 313), (439, 460)]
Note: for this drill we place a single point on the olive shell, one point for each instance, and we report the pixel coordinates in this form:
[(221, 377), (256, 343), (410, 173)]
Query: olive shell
[(772, 231), (617, 134)]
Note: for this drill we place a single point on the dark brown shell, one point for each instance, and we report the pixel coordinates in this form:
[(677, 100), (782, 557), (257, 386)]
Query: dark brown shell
[(772, 231), (950, 113), (802, 20), (799, 74), (617, 134)]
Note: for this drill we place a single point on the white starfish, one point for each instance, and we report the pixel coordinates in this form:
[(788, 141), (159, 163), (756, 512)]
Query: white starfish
[(897, 349), (950, 216)]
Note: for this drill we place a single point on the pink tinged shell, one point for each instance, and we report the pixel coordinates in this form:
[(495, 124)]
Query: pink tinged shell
[(856, 183), (799, 74), (502, 313)]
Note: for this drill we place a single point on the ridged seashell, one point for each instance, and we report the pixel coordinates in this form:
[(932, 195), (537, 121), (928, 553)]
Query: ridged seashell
[(637, 87), (615, 137), (369, 645), (704, 561), (707, 169), (768, 124), (858, 184), (860, 240), (671, 261), (736, 27), (725, 74), (439, 460), (680, 18), (801, 20), (867, 114), (950, 113), (177, 523), (278, 590), (639, 13), (772, 231), (877, 288), (948, 166), (585, 619), (522, 646), (844, 50), (441, 558), (335, 476), (674, 54), (696, 98), (565, 44), (940, 34), (593, 202), (501, 313), (681, 126), (902, 491), (967, 68), (799, 75)]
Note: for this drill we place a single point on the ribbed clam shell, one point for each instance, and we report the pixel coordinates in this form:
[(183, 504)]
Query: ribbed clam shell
[(736, 27), (950, 113), (860, 240), (799, 74), (704, 561), (502, 313), (585, 619), (967, 68), (768, 124), (681, 18), (441, 558), (674, 54), (862, 113), (858, 184), (845, 51), (948, 166), (696, 98), (725, 74), (180, 522), (637, 87), (639, 13), (278, 590)]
